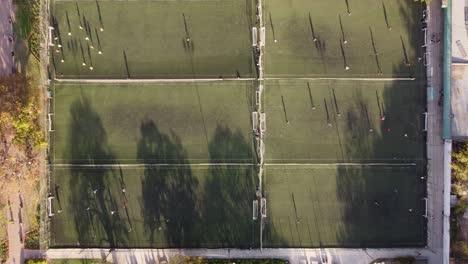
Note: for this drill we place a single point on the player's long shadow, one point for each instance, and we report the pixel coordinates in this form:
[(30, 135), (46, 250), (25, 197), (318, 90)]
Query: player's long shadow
[(101, 21), (229, 191), (169, 209), (127, 68), (386, 16), (376, 53), (90, 199)]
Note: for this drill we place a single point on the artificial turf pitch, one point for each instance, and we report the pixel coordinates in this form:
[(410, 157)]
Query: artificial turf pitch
[(344, 206), (148, 39), (372, 49), (162, 206), (341, 121), (180, 128), (185, 123)]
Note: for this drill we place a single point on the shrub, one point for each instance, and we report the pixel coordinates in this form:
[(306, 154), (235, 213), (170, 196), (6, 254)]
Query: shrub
[(35, 261), (31, 241), (3, 251)]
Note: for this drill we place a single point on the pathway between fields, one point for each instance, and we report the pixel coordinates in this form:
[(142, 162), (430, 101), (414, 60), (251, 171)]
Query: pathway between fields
[(15, 228)]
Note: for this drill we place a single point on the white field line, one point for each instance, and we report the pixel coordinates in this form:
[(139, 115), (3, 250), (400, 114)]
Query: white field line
[(149, 80), (150, 165), (140, 1), (341, 164), (343, 79)]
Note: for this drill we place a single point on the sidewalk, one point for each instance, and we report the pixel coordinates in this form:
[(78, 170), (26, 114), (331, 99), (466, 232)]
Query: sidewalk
[(294, 255), (6, 32), (15, 232)]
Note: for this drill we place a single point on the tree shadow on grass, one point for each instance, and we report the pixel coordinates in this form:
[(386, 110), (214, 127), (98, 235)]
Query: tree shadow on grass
[(388, 213), (229, 192), (169, 192), (95, 210)]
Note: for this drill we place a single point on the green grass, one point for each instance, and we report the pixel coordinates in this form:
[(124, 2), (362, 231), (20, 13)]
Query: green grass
[(320, 206), (308, 137), (295, 54), (3, 251), (175, 206), (150, 35), (180, 203), (110, 123)]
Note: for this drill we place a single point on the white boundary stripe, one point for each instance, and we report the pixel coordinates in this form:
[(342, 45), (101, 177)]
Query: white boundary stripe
[(223, 79), (148, 80), (150, 165), (341, 164), (342, 78), (229, 164)]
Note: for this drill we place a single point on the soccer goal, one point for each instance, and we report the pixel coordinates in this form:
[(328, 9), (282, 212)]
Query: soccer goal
[(425, 208), (254, 37), (254, 121), (50, 206), (263, 207), (49, 119), (263, 122), (262, 36), (255, 210)]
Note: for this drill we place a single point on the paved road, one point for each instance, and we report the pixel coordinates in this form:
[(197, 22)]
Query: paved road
[(6, 31)]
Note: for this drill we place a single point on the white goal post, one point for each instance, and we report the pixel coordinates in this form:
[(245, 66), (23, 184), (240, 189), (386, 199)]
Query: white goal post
[(254, 37), (254, 121), (425, 121), (262, 36), (263, 122), (50, 122), (50, 206), (263, 207), (254, 209)]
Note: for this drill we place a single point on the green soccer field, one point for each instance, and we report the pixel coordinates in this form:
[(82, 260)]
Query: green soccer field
[(341, 121), (344, 206), (175, 163), (188, 122), (153, 39), (371, 48), (159, 206)]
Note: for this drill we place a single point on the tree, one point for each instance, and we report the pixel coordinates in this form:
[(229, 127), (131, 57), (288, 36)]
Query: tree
[(460, 170), (185, 260)]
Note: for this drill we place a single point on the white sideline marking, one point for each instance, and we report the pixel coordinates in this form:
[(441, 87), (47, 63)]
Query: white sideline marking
[(149, 80), (150, 165), (337, 164)]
